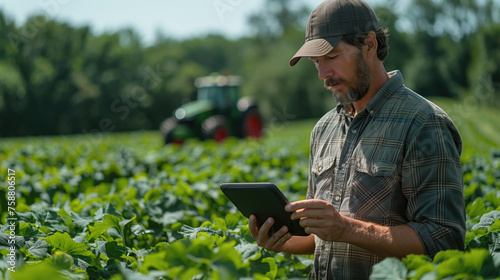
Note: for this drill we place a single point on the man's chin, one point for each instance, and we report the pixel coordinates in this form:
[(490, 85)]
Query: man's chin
[(342, 98), (337, 94)]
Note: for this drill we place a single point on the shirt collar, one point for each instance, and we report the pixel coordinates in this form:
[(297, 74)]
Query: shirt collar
[(395, 82)]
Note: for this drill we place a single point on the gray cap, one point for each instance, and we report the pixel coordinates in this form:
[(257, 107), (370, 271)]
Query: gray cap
[(331, 20)]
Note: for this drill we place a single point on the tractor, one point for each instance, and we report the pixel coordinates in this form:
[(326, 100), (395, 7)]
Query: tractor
[(217, 113)]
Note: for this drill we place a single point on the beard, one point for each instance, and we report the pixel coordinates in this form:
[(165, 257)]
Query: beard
[(356, 89)]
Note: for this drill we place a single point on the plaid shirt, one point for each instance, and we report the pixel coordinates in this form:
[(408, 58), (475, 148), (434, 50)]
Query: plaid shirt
[(397, 162)]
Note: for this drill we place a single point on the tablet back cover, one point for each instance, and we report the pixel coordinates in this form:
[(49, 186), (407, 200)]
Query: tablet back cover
[(264, 200)]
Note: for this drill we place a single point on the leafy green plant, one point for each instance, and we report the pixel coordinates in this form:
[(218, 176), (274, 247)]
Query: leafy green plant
[(133, 209)]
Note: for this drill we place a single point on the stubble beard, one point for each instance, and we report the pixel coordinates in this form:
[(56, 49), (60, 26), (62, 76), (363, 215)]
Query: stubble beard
[(356, 91)]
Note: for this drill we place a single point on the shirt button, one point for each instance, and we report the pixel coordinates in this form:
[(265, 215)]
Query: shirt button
[(354, 131), (374, 169), (320, 168), (337, 197)]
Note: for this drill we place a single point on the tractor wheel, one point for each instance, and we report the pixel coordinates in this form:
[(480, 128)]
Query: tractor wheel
[(215, 128), (166, 128), (252, 124)]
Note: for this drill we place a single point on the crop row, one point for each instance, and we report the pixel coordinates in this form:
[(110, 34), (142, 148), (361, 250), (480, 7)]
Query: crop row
[(130, 208)]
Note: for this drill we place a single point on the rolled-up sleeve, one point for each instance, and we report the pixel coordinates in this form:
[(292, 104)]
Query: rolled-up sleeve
[(432, 181)]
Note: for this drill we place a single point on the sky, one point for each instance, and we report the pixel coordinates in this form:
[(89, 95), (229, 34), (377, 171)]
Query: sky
[(179, 19)]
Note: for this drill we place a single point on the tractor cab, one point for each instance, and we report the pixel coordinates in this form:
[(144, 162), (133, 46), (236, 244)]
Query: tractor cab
[(222, 91), (217, 113)]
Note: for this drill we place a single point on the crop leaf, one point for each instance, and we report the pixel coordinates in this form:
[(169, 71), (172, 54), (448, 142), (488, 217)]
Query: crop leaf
[(495, 226), (170, 218), (155, 261), (152, 195), (99, 214), (219, 224), (63, 260), (190, 273), (75, 274), (100, 227), (248, 251), (418, 265), (38, 271), (487, 233), (445, 255), (64, 243), (390, 269), (4, 241), (487, 220), (232, 220), (476, 209), (53, 221), (111, 249), (493, 199), (39, 249), (227, 253), (273, 267), (469, 236), (28, 231), (128, 274), (468, 263), (111, 209), (491, 267), (80, 221)]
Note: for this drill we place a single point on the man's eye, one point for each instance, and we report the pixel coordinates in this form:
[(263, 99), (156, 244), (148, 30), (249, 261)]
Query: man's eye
[(332, 57)]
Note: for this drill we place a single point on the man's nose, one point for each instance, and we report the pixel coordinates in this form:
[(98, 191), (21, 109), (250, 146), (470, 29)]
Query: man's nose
[(324, 70)]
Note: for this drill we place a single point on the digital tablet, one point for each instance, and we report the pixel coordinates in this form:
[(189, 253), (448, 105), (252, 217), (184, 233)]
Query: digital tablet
[(264, 200)]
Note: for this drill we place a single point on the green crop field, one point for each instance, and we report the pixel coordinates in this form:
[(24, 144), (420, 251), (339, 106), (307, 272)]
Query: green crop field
[(478, 125), (123, 206)]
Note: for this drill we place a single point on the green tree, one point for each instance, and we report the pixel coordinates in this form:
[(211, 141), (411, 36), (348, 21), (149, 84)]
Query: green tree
[(442, 36), (276, 17)]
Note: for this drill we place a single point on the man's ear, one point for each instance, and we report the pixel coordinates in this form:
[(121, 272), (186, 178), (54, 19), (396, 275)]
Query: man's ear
[(371, 44)]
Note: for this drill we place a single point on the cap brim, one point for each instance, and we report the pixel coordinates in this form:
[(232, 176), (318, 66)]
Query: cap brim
[(315, 48)]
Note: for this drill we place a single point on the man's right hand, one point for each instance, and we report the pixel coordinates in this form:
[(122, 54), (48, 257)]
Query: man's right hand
[(275, 242)]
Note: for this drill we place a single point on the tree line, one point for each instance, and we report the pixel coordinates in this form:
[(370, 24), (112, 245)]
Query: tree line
[(60, 79)]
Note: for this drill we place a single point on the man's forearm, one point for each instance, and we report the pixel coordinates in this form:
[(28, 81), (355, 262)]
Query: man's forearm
[(300, 245), (396, 241)]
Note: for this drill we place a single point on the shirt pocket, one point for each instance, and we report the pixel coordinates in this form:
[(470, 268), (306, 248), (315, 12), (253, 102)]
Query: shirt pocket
[(322, 171), (374, 188)]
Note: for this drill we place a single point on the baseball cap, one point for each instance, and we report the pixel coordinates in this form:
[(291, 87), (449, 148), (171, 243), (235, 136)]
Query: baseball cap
[(331, 20)]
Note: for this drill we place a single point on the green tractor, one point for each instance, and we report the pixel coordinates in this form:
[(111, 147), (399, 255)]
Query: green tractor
[(217, 113)]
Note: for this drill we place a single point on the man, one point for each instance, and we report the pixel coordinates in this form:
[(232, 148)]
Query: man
[(385, 175)]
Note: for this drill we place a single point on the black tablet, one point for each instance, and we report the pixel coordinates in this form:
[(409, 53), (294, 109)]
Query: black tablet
[(264, 200)]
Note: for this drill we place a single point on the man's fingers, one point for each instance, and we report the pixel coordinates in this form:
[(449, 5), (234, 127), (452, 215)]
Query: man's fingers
[(311, 222), (313, 230), (309, 203), (310, 213), (262, 235), (264, 231), (277, 236), (281, 240), (252, 225), (276, 241)]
